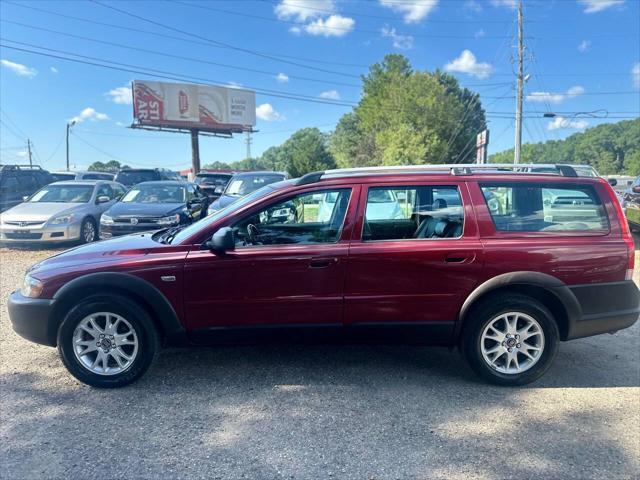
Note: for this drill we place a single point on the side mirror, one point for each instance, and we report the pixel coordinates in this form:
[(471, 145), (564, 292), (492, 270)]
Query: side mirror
[(636, 189), (103, 199), (25, 198), (218, 190), (222, 241), (612, 181)]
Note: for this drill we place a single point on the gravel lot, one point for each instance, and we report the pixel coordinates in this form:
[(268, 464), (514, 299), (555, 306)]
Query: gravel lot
[(318, 412)]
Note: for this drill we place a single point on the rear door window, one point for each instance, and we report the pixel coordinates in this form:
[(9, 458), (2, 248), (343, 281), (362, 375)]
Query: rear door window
[(413, 212), (545, 208)]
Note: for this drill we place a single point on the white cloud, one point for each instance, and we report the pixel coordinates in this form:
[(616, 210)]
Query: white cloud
[(584, 46), (467, 63), (635, 73), (547, 97), (333, 26), (593, 6), (413, 11), (19, 69), (473, 6), (303, 10), (282, 78), (480, 33), (54, 70), (560, 123), (330, 95), (232, 84), (89, 114), (121, 95), (402, 42), (267, 113), (120, 124), (504, 3)]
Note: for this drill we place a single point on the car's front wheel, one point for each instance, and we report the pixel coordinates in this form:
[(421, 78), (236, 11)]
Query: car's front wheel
[(88, 231), (107, 341), (510, 340)]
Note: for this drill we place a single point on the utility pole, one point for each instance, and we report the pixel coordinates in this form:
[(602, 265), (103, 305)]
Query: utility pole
[(195, 152), (518, 142), (69, 125), (29, 150), (248, 142)]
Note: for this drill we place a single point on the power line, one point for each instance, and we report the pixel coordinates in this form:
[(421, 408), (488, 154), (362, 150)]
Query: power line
[(179, 57), (160, 73), (334, 28)]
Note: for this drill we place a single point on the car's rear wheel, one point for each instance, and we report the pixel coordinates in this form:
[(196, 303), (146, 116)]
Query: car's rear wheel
[(108, 341), (88, 231), (510, 340)]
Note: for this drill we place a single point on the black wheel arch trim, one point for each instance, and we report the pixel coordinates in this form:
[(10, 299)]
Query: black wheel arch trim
[(525, 279), (161, 309)]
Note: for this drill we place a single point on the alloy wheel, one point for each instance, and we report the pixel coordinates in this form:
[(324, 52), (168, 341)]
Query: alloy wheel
[(512, 342), (105, 343), (88, 232)]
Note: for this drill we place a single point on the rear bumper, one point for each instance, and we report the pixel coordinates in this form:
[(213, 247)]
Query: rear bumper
[(605, 308), (31, 317)]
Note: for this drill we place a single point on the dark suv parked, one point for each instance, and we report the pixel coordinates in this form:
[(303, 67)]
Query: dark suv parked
[(502, 265), (133, 176), (19, 181)]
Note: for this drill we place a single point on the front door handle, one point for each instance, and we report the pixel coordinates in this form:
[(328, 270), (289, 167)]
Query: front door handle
[(459, 257), (322, 262)]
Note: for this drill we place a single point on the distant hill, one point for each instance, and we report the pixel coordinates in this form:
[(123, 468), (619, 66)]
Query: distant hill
[(611, 148)]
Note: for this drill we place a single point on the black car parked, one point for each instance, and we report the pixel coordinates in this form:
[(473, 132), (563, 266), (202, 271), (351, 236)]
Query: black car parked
[(242, 184), (213, 183), (152, 206), (19, 181), (132, 176)]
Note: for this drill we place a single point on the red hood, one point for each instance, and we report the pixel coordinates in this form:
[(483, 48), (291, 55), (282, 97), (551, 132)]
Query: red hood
[(119, 253)]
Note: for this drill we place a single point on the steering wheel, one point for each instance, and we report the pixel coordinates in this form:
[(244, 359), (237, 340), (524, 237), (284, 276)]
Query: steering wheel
[(252, 234)]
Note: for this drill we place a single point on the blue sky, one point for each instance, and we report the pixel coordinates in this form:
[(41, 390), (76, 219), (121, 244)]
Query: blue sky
[(582, 56)]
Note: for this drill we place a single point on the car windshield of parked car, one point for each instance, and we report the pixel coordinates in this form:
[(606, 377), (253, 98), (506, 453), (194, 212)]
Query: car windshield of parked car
[(59, 177), (132, 178), (155, 194), (246, 184), (209, 180), (63, 194)]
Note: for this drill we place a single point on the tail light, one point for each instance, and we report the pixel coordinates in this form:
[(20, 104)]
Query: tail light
[(626, 232)]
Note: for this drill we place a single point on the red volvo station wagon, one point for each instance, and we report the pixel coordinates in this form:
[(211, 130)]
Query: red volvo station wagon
[(498, 261)]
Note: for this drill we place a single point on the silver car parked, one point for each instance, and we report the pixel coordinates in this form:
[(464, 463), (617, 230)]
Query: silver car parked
[(60, 212)]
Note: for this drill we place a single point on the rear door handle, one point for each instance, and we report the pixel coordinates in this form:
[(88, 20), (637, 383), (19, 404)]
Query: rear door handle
[(459, 257), (322, 262)]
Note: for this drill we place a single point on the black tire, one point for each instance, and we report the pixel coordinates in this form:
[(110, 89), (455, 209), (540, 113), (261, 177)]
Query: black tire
[(146, 332), (86, 223), (478, 319)]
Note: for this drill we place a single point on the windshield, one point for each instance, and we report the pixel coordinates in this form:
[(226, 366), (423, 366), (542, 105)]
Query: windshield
[(246, 184), (155, 194), (215, 180), (58, 177), (214, 217), (132, 178), (63, 194)]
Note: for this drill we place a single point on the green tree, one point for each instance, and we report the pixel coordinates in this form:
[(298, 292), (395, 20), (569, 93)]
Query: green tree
[(306, 151), (110, 166)]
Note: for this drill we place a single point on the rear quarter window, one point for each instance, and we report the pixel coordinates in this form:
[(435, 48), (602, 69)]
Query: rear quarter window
[(534, 207)]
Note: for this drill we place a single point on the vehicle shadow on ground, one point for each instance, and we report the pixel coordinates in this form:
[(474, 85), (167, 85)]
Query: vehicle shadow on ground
[(310, 412)]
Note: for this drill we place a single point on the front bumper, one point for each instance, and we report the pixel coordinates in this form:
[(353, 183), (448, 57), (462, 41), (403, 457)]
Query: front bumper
[(31, 318), (117, 230), (605, 308), (39, 233)]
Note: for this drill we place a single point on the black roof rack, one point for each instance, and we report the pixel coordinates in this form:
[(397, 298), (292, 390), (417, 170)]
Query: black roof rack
[(20, 167)]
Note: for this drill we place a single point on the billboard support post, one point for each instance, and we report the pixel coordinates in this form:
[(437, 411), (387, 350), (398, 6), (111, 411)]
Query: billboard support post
[(195, 152)]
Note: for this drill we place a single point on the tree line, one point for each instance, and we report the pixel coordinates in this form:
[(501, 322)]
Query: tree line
[(612, 148)]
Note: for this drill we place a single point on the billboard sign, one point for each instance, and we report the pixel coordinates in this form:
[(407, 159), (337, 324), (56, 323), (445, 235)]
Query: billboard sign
[(192, 106)]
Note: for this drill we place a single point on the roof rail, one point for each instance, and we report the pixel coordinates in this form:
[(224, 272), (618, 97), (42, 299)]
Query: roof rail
[(19, 167), (454, 169)]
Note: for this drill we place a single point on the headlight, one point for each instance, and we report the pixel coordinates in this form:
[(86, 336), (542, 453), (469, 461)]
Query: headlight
[(170, 220), (106, 220), (31, 287), (63, 219)]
